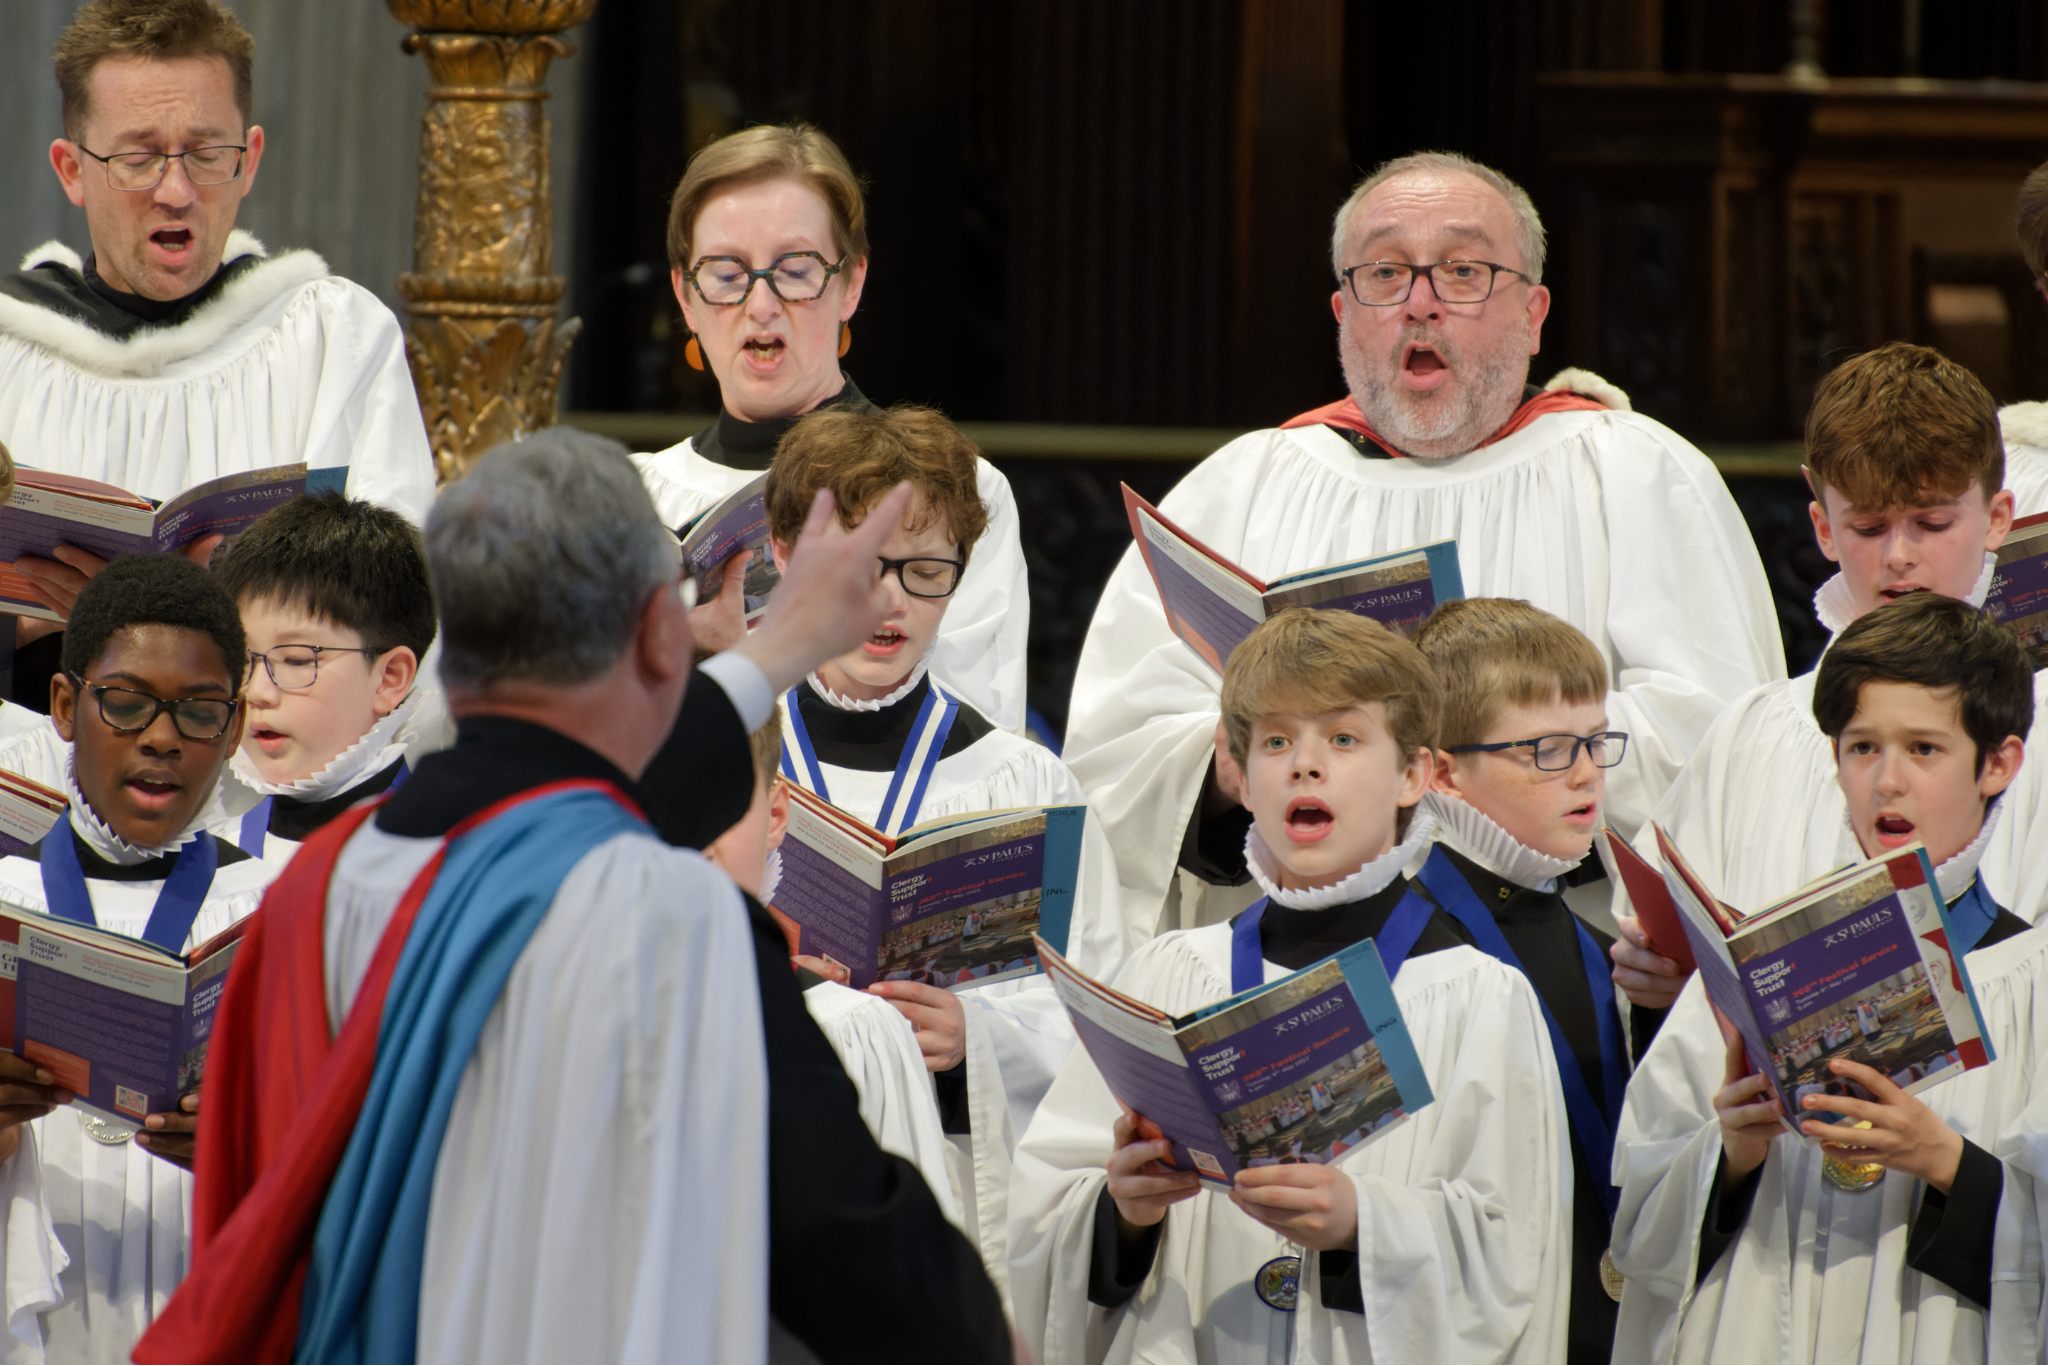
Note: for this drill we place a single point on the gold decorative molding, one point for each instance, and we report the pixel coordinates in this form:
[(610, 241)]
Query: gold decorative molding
[(485, 343)]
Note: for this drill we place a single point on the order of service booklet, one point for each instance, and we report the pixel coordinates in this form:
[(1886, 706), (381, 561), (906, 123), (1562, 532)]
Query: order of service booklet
[(1212, 604), (2019, 586), (1299, 1070), (956, 902), (49, 509), (735, 523), (1856, 965)]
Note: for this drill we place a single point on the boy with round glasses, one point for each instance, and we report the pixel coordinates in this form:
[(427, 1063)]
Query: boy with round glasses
[(149, 703)]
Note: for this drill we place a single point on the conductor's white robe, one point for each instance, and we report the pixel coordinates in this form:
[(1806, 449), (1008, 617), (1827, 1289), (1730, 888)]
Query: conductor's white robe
[(287, 364), (1018, 1034), (1607, 519), (980, 650), (2025, 428), (602, 1190), (1464, 1210), (1818, 1273)]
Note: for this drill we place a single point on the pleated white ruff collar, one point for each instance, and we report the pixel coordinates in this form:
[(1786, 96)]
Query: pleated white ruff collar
[(1836, 609), (833, 699), (100, 837), (1476, 835), (1955, 874), (1370, 880), (376, 751)]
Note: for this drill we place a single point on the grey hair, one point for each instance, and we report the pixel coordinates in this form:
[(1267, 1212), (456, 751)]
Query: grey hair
[(542, 560), (1529, 239)]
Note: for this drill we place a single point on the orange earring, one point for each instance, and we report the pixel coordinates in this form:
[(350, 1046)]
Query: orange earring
[(845, 339), (693, 354)]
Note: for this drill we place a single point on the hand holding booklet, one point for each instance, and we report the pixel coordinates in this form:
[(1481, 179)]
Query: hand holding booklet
[(1853, 965), (1299, 1070), (955, 902), (120, 1022), (736, 524), (1212, 604)]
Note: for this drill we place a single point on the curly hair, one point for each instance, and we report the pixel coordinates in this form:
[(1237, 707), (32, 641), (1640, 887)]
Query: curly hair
[(154, 590)]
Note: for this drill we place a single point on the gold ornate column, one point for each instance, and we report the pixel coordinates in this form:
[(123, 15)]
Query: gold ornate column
[(484, 341)]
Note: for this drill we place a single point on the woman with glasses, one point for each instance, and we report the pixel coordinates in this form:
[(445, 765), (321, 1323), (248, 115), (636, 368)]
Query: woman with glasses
[(768, 250), (881, 734)]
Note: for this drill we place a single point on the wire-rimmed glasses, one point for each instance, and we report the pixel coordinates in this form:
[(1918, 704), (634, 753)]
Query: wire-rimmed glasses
[(1381, 284), (797, 277), (129, 711), (1557, 753), (297, 666), (134, 171)]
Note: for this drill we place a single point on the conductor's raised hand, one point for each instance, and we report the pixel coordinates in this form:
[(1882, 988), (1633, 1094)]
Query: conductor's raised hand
[(1313, 1204), (1646, 977), (1140, 1182), (172, 1136), (1748, 1115), (937, 1016), (831, 597), (1904, 1135)]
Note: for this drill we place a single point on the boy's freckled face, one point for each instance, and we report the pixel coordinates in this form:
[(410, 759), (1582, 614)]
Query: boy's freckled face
[(1325, 791), (1553, 813), (1909, 771), (293, 733), (1887, 553)]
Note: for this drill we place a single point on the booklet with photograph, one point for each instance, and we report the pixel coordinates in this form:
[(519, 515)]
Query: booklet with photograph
[(2019, 586), (1212, 604), (955, 902), (49, 510), (1853, 965), (735, 523), (116, 1020), (1299, 1070)]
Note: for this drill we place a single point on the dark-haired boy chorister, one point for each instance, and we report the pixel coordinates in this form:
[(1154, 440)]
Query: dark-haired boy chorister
[(1739, 1242), (147, 709)]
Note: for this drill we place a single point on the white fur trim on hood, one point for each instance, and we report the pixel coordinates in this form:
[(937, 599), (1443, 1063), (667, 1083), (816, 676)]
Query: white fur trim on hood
[(2024, 424), (1370, 880), (151, 350), (1589, 385), (1836, 609), (1476, 835)]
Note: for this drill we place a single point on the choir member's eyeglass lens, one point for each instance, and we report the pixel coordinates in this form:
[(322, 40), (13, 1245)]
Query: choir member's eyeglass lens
[(145, 170), (796, 277), (924, 578), (197, 718), (1557, 753), (296, 666), (1380, 284)]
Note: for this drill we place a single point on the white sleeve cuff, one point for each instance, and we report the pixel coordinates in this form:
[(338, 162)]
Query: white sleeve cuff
[(745, 686)]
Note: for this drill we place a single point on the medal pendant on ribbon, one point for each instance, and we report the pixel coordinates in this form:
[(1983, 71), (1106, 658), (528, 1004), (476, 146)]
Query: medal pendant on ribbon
[(1278, 1283), (110, 1132), (1852, 1176), (1610, 1276)]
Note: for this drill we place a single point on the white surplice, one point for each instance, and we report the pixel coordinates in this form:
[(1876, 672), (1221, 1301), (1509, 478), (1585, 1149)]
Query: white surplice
[(1818, 1273), (980, 650), (878, 1048), (1464, 1210), (1606, 519), (1018, 1034), (2025, 428), (288, 363), (98, 1235), (602, 1190)]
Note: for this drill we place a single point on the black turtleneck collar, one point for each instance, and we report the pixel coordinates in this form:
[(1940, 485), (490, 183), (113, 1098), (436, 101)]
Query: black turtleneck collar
[(83, 296), (494, 757), (873, 741), (293, 819), (1295, 939), (743, 445)]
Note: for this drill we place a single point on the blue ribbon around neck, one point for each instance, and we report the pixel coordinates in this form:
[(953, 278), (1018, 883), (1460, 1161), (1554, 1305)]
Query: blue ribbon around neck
[(914, 767), (1971, 917), (177, 902), (1394, 941), (256, 821)]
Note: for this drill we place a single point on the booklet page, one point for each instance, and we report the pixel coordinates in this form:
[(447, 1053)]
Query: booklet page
[(2019, 586)]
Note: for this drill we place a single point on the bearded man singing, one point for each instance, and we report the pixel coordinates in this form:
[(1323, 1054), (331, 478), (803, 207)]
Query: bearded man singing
[(1561, 496)]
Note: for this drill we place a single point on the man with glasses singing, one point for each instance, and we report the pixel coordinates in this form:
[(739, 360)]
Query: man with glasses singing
[(1562, 497), (177, 350)]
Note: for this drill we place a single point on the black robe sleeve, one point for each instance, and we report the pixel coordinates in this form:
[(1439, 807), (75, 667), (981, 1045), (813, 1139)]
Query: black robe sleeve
[(862, 1265), (1951, 1235), (702, 780)]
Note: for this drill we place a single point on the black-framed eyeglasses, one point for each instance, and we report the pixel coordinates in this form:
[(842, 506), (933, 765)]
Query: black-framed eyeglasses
[(1381, 284), (797, 277), (297, 666), (924, 577), (1557, 753), (134, 171), (129, 711)]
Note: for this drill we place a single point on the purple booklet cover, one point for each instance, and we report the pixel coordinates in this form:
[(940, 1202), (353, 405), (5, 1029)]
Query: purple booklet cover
[(2019, 587), (738, 522)]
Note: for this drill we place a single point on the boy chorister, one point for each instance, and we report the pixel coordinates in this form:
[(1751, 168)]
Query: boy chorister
[(1917, 1238), (877, 734), (1445, 1240)]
